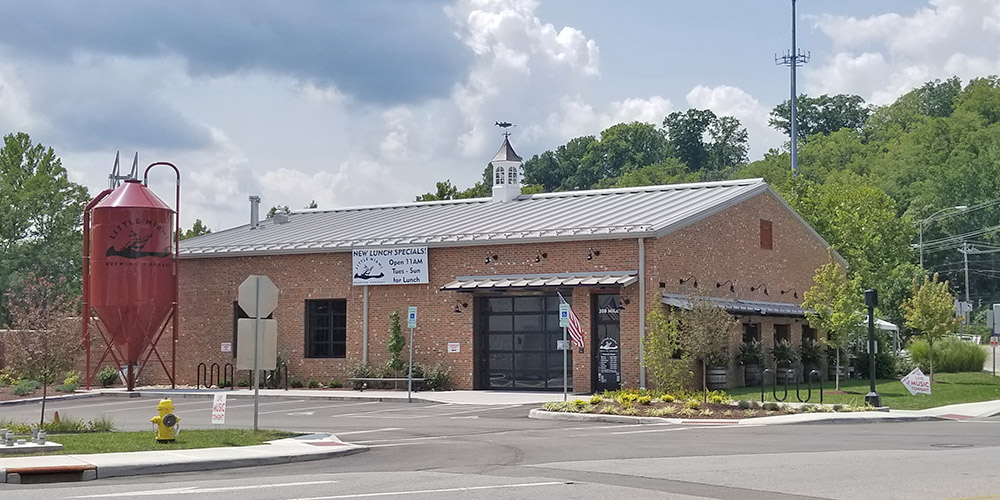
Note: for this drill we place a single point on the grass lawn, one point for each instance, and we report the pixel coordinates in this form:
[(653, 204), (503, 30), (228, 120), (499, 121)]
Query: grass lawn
[(111, 442), (948, 388)]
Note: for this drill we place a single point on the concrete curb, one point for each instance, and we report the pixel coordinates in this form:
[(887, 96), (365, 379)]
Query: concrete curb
[(64, 397), (105, 465), (153, 394), (797, 419)]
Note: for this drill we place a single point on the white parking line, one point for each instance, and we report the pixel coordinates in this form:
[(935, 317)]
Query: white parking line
[(314, 407), (439, 490), (199, 490), (366, 414), (386, 429)]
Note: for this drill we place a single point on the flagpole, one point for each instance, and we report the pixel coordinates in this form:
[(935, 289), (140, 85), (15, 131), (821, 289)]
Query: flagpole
[(565, 370)]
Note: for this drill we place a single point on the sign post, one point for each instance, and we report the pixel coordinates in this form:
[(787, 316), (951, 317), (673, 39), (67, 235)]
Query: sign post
[(411, 321), (993, 343), (258, 297), (564, 323), (871, 300)]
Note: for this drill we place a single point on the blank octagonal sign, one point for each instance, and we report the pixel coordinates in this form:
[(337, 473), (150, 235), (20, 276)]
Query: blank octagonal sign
[(248, 295)]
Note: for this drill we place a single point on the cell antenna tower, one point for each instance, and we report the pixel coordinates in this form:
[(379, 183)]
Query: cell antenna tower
[(793, 59)]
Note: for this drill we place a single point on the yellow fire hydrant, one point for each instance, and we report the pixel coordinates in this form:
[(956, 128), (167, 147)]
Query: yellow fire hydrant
[(166, 421)]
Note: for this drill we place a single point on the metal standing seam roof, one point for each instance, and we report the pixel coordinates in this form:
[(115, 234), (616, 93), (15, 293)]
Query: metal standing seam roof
[(738, 306), (470, 283), (563, 216)]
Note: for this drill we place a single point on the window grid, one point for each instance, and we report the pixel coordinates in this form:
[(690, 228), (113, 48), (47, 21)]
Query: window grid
[(326, 328)]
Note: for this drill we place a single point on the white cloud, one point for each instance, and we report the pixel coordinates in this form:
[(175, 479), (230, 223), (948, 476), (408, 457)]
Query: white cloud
[(726, 100), (884, 56)]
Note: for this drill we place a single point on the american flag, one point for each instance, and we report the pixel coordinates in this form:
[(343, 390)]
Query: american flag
[(575, 330)]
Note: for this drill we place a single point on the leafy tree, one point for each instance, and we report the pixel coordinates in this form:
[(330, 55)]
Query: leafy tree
[(931, 311), (40, 217), (445, 191), (825, 114), (833, 304), (197, 229), (725, 150), (395, 344), (670, 171), (553, 169), (278, 209), (706, 331), (661, 343), (312, 204), (45, 341), (622, 147)]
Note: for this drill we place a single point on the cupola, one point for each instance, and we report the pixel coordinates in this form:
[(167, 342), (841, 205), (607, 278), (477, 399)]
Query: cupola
[(506, 173)]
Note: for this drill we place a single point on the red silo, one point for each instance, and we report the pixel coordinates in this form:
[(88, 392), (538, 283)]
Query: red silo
[(129, 274)]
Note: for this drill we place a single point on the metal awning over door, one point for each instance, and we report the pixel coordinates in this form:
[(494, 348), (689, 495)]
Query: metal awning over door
[(735, 306), (612, 278)]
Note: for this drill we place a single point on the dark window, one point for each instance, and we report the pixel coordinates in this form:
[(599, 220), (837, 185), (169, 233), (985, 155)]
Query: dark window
[(751, 331), (808, 333), (326, 328), (766, 239), (781, 333)]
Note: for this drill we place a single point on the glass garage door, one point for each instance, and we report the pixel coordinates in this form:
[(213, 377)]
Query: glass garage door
[(522, 341)]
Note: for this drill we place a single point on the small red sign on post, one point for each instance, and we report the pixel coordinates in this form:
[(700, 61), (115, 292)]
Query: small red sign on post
[(993, 340)]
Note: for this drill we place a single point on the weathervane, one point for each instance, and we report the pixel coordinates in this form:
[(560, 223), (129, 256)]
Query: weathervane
[(504, 126)]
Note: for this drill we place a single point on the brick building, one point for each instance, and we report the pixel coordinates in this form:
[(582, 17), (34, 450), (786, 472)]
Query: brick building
[(486, 275)]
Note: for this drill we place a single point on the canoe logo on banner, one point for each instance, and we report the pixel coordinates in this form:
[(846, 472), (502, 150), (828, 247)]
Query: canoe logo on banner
[(368, 269), (133, 248)]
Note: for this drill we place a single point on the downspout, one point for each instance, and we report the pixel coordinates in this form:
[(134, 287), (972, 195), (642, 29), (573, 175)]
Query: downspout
[(364, 325), (642, 313)]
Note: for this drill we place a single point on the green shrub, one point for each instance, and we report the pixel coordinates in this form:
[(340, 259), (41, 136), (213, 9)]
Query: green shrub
[(335, 384), (358, 369), (6, 378), (243, 383), (437, 377), (743, 404), (108, 376), (645, 400), (630, 411), (101, 423), (950, 355), (688, 412), (770, 406), (555, 406), (295, 383), (67, 387), (26, 386), (667, 398), (751, 413), (692, 404), (596, 399)]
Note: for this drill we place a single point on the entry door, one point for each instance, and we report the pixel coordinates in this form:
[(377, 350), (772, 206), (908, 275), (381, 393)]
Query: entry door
[(522, 341), (607, 342)]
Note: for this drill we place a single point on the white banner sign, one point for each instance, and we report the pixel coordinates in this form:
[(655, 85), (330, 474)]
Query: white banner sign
[(219, 409), (917, 383), (390, 266)]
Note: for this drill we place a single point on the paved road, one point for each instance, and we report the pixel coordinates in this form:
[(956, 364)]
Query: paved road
[(445, 451)]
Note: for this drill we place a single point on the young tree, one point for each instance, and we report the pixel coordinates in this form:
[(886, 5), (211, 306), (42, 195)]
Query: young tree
[(662, 341), (931, 311), (705, 335), (834, 305), (396, 343), (46, 340), (40, 216), (197, 229)]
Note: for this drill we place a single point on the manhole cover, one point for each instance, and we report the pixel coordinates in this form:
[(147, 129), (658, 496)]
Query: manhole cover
[(951, 445)]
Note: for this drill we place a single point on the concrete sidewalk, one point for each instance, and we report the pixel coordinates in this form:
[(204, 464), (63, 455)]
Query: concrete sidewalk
[(451, 397), (103, 465)]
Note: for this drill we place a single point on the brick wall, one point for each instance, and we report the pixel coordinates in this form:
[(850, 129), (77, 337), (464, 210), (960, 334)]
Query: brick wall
[(721, 247)]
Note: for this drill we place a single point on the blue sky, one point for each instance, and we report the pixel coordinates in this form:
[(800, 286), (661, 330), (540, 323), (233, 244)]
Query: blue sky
[(357, 103)]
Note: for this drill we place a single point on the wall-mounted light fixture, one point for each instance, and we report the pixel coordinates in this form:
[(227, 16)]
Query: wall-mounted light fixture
[(624, 303), (689, 278), (541, 255), (792, 291), (490, 257), (591, 253), (459, 305), (758, 287), (732, 285)]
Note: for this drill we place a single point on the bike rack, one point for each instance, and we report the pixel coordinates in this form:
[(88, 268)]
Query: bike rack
[(798, 393), (774, 384), (809, 387), (202, 369), (214, 373), (229, 374)]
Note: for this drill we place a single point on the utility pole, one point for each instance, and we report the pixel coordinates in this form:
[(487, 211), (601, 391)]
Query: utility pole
[(793, 59)]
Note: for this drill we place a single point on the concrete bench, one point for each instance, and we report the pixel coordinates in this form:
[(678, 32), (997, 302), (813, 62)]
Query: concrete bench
[(365, 380)]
